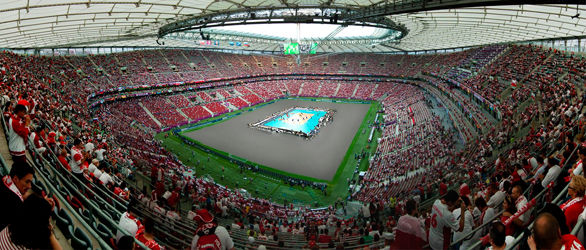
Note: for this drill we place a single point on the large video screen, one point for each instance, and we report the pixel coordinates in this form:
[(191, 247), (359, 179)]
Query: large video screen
[(296, 48), (291, 48)]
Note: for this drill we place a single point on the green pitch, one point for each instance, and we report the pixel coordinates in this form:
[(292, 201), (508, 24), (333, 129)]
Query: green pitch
[(229, 174)]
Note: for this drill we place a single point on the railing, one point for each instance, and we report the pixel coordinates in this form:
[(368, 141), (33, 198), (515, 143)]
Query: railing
[(558, 198), (64, 202)]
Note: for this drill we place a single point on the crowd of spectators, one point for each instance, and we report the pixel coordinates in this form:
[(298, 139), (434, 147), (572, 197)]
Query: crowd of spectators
[(126, 143)]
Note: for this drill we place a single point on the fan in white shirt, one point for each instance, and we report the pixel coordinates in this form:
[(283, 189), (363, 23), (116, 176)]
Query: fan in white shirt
[(468, 225), (98, 173), (93, 166), (105, 178), (498, 237), (442, 217), (100, 154)]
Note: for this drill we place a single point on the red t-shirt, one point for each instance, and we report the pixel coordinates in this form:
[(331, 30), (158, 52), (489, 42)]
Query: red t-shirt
[(571, 242), (464, 190), (572, 209), (64, 162), (443, 188)]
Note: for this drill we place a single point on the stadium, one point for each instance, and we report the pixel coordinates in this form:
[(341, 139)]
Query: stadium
[(247, 124)]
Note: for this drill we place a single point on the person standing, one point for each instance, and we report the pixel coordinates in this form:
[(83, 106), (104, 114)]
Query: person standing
[(18, 132), (443, 221), (77, 158), (410, 233)]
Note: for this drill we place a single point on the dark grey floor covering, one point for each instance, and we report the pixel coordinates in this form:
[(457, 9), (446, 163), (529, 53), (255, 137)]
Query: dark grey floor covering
[(319, 157)]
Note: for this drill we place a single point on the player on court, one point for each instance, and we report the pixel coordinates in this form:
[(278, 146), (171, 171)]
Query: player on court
[(443, 221)]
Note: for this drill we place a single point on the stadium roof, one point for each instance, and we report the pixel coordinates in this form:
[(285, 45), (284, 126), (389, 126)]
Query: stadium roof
[(429, 24)]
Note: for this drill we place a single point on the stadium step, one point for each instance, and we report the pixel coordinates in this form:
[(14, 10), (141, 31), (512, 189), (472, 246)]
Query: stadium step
[(208, 110), (183, 114), (336, 92), (150, 114)]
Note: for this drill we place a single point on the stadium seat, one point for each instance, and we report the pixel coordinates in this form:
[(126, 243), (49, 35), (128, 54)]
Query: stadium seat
[(103, 231), (80, 240), (64, 224), (86, 215), (65, 227)]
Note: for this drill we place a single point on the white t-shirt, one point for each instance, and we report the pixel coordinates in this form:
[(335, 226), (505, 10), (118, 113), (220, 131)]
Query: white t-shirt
[(75, 164), (488, 214), (98, 173), (440, 217), (578, 169), (365, 211), (411, 225), (127, 224), (496, 199), (508, 241), (100, 154), (91, 168), (105, 178), (468, 225), (89, 147), (222, 234), (533, 162), (520, 203), (551, 175)]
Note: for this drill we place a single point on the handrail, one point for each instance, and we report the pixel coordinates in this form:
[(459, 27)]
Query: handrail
[(75, 179), (48, 184), (530, 226), (465, 237), (115, 199), (4, 167), (95, 208), (578, 226), (92, 231)]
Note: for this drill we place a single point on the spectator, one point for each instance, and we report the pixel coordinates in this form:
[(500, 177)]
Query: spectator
[(468, 223), (145, 235), (18, 132), (574, 207), (100, 151), (31, 228), (553, 170), (126, 243), (496, 196), (35, 140), (577, 168), (93, 166), (410, 233), (509, 210), (13, 191), (498, 237), (63, 159), (106, 178), (208, 233), (486, 215), (77, 158), (547, 235), (128, 221), (442, 217), (520, 202)]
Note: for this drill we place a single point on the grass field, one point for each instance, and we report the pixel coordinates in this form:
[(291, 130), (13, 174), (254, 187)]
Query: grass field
[(229, 174)]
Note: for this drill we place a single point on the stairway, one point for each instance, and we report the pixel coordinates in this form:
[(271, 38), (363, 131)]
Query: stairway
[(150, 114)]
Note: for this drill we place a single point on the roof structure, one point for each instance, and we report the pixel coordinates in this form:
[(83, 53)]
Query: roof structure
[(429, 24)]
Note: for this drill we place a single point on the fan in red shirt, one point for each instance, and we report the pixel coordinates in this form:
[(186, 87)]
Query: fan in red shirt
[(63, 159), (324, 237), (145, 235), (574, 207), (547, 235)]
